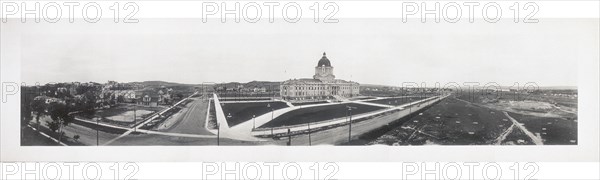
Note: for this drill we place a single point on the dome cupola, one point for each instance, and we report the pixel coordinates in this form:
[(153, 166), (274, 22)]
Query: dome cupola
[(324, 61)]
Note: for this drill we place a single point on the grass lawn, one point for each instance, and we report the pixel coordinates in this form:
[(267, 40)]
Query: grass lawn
[(396, 101), (319, 113), (308, 103), (33, 138), (236, 113), (244, 99)]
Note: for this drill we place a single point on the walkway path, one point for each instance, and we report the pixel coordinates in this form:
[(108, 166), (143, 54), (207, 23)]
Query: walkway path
[(248, 126), (374, 104), (224, 129), (534, 138)]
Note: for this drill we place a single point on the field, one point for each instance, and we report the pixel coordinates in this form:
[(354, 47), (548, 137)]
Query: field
[(361, 98), (459, 122), (318, 113), (308, 103), (236, 113), (551, 118), (122, 114), (33, 138), (554, 131), (450, 122), (246, 94), (127, 116), (244, 99), (396, 101)]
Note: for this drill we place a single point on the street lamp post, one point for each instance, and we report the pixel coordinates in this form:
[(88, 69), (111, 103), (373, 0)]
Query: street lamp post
[(350, 123), (97, 133), (134, 119), (289, 134), (272, 111), (309, 140)]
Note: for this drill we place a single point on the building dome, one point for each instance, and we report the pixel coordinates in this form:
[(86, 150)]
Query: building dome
[(324, 61)]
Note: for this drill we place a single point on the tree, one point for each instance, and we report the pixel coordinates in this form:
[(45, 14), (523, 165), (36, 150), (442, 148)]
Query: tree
[(39, 107), (60, 115), (25, 110), (120, 99), (76, 137), (89, 105)]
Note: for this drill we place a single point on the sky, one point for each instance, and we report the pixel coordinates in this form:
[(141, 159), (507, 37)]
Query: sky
[(368, 51)]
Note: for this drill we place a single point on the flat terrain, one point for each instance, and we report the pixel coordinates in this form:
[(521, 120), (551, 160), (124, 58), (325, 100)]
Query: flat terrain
[(189, 120), (33, 138), (309, 103), (243, 99), (122, 114), (236, 113), (396, 101), (318, 113), (450, 122), (553, 131), (459, 122), (162, 140), (87, 133)]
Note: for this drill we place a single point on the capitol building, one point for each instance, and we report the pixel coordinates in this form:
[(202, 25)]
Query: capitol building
[(322, 86)]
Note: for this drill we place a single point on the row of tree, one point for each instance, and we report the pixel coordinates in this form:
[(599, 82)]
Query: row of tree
[(60, 113)]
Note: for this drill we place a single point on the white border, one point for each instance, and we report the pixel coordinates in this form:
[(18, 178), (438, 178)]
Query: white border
[(587, 150)]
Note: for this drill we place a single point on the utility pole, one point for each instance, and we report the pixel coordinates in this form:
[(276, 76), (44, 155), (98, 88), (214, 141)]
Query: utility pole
[(309, 140), (350, 123), (134, 119), (289, 143), (272, 110), (97, 133), (60, 130)]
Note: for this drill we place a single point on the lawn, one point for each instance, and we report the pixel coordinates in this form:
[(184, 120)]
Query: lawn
[(396, 101), (309, 103), (318, 113), (33, 138), (243, 99), (237, 113)]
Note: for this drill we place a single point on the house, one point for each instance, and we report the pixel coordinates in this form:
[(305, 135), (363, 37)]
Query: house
[(261, 89), (129, 96), (48, 100), (146, 100)]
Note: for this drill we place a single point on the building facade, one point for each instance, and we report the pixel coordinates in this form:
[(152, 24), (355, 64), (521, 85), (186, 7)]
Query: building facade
[(322, 86)]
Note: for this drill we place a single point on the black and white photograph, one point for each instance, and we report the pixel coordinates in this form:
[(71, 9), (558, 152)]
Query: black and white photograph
[(360, 82), (326, 89)]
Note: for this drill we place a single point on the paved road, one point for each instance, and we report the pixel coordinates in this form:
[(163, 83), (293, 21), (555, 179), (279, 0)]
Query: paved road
[(149, 119), (340, 135), (191, 119)]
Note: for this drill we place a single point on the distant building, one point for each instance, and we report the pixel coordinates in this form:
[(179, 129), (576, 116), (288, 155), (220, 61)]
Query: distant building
[(146, 100), (48, 100), (323, 85)]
